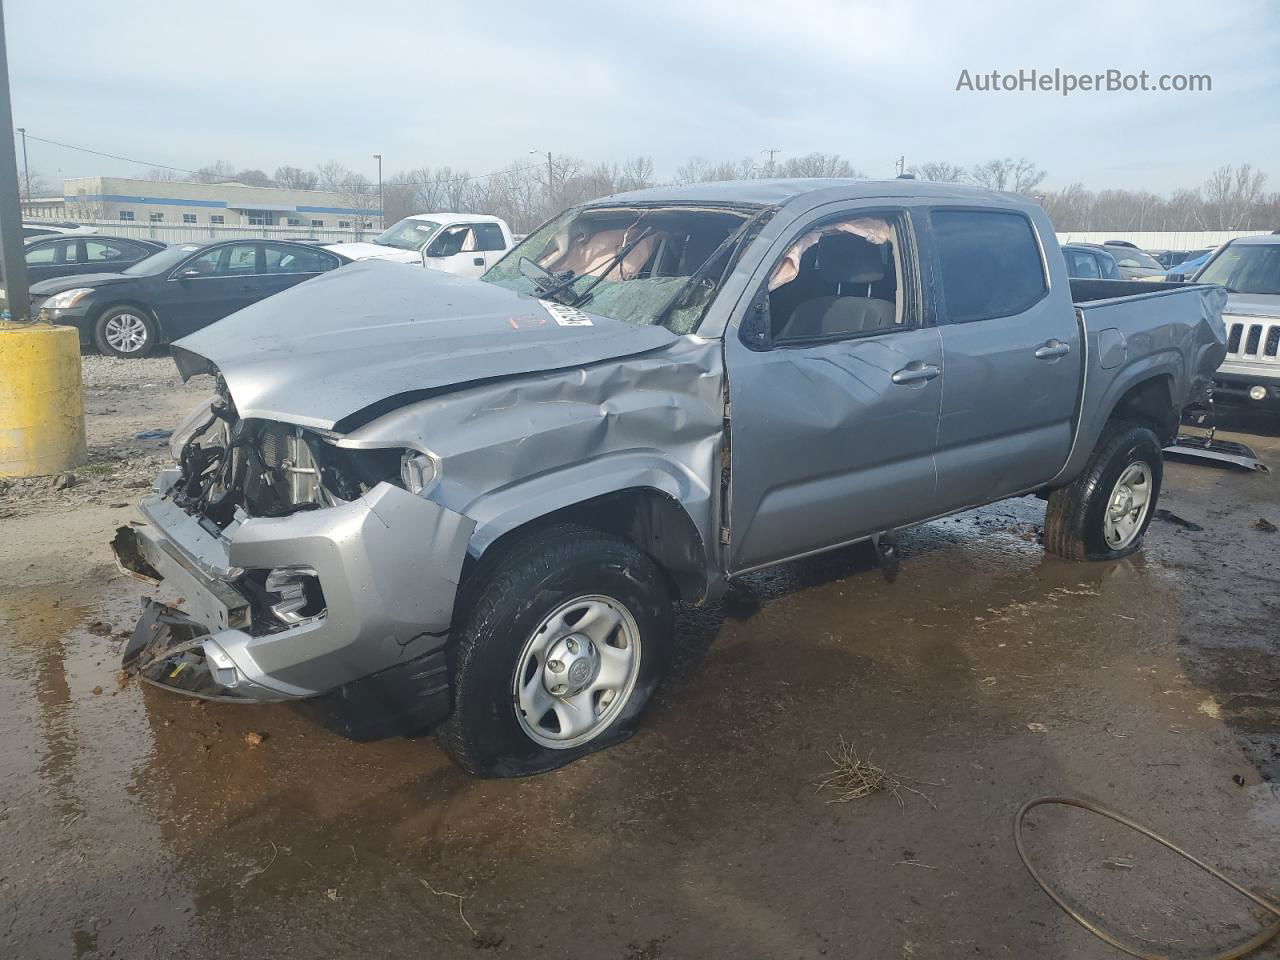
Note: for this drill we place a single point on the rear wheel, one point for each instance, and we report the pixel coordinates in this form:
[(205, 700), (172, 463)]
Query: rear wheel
[(125, 331), (1103, 514), (563, 639)]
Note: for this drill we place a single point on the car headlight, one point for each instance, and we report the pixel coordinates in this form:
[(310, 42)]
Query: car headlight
[(67, 298), (188, 428), (418, 471)]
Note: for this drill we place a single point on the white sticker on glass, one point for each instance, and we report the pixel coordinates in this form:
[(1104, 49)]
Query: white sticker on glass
[(566, 316)]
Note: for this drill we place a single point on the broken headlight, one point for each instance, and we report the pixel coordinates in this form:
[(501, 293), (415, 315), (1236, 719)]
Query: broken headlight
[(418, 471), (293, 594)]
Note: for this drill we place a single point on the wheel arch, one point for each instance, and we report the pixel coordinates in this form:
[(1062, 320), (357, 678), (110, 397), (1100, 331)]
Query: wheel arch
[(653, 519), (1150, 403)]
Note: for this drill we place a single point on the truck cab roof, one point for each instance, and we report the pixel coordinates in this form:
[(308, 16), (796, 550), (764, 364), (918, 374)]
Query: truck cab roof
[(783, 191)]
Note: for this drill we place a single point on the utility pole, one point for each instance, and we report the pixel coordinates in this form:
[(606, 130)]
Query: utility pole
[(26, 167), (772, 153), (550, 175), (901, 164), (12, 262), (382, 211)]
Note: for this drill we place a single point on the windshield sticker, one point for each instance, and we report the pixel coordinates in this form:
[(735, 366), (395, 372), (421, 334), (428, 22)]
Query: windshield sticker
[(566, 316)]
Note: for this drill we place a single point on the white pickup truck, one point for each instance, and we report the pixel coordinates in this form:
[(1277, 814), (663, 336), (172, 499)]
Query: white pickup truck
[(464, 244)]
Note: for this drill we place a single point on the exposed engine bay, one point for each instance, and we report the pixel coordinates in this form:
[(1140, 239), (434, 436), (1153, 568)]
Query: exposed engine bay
[(266, 468)]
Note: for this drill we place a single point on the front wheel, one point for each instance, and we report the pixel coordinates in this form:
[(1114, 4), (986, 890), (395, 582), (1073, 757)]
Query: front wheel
[(564, 637), (125, 331), (1103, 514)]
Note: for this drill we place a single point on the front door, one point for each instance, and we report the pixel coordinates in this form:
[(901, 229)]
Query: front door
[(454, 250), (835, 380), (211, 285), (1012, 351)]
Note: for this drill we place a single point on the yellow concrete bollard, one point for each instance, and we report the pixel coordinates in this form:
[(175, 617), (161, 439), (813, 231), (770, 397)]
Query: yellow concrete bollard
[(41, 400)]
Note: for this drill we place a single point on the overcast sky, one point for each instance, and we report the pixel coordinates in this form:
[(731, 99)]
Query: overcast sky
[(478, 85)]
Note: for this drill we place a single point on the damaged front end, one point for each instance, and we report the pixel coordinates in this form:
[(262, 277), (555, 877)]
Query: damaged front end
[(307, 572)]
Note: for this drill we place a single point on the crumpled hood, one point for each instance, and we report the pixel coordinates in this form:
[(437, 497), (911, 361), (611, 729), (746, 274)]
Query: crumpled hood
[(375, 251), (373, 333), (49, 287)]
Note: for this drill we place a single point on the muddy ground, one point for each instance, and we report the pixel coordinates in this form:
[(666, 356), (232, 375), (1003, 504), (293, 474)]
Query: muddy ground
[(139, 824)]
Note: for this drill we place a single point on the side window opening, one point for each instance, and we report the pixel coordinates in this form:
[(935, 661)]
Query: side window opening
[(452, 240), (838, 280), (488, 237)]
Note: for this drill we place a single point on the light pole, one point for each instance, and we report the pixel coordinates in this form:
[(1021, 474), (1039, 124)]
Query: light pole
[(12, 261), (551, 174), (26, 167), (772, 152), (382, 213)]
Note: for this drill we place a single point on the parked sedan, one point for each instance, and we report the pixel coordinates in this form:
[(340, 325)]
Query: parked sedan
[(177, 291), (1134, 264), (61, 256), (1090, 261)]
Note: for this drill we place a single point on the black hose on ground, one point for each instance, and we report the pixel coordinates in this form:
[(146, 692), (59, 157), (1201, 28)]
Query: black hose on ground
[(1249, 946)]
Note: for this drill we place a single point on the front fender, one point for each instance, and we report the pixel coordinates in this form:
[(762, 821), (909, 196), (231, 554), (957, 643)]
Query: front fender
[(499, 512)]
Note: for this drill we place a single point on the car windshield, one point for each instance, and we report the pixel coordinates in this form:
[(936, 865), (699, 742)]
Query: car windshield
[(1245, 268), (408, 234), (1128, 257), (663, 249), (162, 261)]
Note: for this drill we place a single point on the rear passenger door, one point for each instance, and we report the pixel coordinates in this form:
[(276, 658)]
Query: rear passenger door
[(111, 255), (835, 384), (1012, 356), (285, 265), (53, 258)]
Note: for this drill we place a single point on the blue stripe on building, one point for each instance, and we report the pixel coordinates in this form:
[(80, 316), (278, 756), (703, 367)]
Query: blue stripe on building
[(367, 213), (116, 198), (220, 204)]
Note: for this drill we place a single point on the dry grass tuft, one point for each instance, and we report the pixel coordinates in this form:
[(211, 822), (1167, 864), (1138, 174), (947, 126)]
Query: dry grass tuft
[(854, 778)]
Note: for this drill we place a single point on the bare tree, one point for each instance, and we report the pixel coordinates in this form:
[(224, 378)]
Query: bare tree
[(254, 178), (332, 175), (1020, 176), (1232, 193), (819, 165), (637, 173), (295, 178), (218, 172), (939, 171), (165, 174)]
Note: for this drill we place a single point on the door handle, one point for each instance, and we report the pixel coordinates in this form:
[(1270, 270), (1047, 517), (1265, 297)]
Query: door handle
[(1052, 349), (917, 371), (478, 261)]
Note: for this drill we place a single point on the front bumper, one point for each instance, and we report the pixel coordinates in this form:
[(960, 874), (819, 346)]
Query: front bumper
[(1233, 385), (388, 565), (77, 316)]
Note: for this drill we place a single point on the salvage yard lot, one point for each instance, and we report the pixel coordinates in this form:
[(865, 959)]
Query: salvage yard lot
[(981, 674)]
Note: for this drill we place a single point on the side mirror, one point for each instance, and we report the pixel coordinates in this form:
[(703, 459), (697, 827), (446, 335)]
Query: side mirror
[(189, 274)]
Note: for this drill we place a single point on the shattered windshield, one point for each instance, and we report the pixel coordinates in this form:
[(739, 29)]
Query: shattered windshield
[(641, 265), (408, 234), (1245, 268)]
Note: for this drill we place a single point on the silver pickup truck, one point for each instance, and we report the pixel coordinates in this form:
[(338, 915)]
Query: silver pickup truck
[(423, 501)]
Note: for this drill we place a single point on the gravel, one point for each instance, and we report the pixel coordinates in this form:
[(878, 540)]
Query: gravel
[(122, 398)]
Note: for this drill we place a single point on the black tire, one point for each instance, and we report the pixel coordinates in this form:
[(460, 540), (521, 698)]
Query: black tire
[(500, 607), (1075, 519), (125, 313)]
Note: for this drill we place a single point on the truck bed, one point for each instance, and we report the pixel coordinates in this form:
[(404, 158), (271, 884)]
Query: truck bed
[(1136, 331)]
